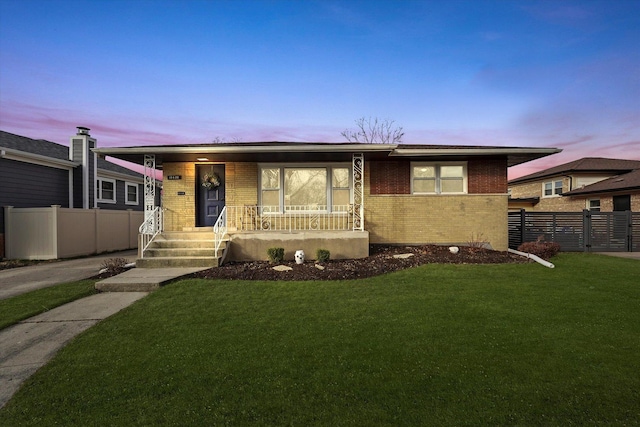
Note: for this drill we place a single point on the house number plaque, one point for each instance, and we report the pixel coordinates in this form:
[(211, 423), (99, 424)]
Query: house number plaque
[(174, 177)]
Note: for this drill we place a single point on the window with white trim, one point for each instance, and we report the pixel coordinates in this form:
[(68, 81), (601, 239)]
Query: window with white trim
[(552, 188), (304, 187), (593, 205), (438, 178), (131, 193), (106, 190)]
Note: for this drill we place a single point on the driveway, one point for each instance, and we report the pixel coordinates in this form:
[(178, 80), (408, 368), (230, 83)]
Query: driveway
[(16, 281)]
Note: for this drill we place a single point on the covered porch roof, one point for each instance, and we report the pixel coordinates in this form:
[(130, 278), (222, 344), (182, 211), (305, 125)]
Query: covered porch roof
[(317, 152)]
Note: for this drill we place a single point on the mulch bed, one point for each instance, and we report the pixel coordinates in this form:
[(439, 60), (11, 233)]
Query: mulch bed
[(379, 262)]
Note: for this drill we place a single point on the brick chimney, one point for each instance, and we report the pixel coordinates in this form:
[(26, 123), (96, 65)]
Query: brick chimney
[(84, 176)]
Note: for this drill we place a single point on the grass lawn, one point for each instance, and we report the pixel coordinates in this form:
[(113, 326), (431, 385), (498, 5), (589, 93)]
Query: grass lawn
[(15, 309), (435, 345)]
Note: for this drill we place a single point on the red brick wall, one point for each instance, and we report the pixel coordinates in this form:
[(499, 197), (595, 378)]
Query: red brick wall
[(487, 176), (390, 177)]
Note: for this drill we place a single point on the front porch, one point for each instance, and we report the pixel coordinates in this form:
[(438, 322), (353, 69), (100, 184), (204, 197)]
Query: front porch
[(244, 233)]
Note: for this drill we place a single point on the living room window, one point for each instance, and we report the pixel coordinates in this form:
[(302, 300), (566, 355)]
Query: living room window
[(304, 188), (131, 190), (106, 190), (552, 188), (438, 178)]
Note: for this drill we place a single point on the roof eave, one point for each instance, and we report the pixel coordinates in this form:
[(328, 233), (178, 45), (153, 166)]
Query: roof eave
[(608, 190), (24, 156), (250, 149), (515, 156)]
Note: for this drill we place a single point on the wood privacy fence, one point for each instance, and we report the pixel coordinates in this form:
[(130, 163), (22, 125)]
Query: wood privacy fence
[(55, 232), (584, 231)]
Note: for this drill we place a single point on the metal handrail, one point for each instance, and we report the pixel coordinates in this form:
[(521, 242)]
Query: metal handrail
[(150, 228), (220, 230)]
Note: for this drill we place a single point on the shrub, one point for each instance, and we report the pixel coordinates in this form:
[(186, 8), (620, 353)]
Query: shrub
[(323, 255), (275, 255), (544, 250), (477, 240), (114, 265)]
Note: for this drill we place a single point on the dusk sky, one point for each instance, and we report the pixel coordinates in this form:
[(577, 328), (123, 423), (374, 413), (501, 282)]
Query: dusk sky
[(562, 74)]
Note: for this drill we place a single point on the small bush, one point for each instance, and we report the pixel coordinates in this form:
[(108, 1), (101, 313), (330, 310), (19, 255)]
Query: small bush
[(477, 240), (114, 265), (323, 255), (544, 250), (275, 255)]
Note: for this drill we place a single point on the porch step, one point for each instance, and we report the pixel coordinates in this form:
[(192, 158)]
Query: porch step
[(166, 262), (182, 244), (187, 235), (189, 248), (182, 252)]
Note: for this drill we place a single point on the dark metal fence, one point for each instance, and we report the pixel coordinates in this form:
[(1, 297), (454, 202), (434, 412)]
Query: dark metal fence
[(584, 231)]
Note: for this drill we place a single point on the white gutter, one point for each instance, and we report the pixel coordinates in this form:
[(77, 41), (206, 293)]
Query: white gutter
[(461, 151), (37, 159), (536, 258), (244, 149)]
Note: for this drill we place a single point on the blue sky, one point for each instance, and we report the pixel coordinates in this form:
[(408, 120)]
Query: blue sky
[(560, 74)]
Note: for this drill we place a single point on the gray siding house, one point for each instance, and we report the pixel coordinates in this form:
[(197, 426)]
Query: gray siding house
[(40, 173)]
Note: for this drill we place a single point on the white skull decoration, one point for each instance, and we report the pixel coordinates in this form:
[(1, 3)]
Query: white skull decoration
[(299, 257)]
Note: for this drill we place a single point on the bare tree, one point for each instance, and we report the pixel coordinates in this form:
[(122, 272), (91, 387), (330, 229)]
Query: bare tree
[(218, 140), (374, 131)]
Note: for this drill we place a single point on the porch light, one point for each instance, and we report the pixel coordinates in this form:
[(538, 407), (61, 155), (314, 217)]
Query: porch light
[(202, 159)]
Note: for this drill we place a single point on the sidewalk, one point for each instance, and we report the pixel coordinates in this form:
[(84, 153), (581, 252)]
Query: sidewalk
[(30, 344), (16, 281), (629, 255)]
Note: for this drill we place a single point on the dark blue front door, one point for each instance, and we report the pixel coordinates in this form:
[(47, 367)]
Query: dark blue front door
[(210, 190)]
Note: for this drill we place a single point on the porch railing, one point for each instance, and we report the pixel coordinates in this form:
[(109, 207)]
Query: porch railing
[(150, 228), (292, 218), (220, 230)]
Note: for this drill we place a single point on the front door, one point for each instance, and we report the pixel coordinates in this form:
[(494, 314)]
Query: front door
[(210, 191)]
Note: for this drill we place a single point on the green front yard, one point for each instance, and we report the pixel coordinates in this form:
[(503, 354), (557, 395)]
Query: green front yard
[(435, 345)]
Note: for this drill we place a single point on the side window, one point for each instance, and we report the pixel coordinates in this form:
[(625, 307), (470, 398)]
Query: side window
[(106, 190), (593, 205), (439, 178), (552, 188), (131, 196)]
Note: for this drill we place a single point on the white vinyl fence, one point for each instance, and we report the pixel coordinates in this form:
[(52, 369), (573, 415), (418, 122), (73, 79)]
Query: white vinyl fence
[(56, 232)]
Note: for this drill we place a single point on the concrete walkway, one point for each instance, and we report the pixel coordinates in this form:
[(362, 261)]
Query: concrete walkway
[(144, 279), (30, 344)]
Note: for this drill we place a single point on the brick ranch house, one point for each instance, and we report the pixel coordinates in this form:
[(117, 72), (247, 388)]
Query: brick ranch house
[(336, 196)]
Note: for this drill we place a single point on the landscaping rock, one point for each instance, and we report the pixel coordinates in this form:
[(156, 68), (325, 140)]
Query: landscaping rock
[(282, 268), (402, 256)]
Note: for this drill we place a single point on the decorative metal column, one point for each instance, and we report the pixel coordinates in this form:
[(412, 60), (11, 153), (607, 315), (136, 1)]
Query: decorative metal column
[(149, 191), (358, 191)]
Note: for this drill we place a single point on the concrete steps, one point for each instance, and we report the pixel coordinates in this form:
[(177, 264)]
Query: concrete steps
[(189, 248)]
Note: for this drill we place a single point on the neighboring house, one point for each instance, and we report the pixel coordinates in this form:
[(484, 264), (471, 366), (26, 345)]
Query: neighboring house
[(332, 192), (39, 173), (592, 183)]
